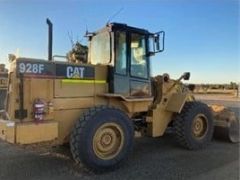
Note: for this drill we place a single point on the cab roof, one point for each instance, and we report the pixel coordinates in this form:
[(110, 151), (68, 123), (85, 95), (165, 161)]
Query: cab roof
[(113, 26)]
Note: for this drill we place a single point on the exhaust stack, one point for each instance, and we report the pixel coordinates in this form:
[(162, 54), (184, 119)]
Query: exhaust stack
[(50, 33)]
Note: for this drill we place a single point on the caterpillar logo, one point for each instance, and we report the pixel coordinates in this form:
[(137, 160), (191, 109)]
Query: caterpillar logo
[(75, 72)]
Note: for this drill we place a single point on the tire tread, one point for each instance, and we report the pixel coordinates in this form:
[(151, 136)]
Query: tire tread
[(179, 125)]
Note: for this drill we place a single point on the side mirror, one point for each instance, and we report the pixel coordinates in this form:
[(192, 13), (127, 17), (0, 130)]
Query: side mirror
[(156, 43), (159, 38), (186, 76)]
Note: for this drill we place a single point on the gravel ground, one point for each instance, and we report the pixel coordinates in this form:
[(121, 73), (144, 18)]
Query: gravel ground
[(158, 158), (152, 158)]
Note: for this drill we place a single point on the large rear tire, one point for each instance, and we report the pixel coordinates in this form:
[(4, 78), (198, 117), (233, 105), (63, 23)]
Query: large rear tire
[(102, 138), (194, 126)]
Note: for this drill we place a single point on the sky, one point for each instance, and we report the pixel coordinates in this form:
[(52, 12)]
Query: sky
[(202, 36)]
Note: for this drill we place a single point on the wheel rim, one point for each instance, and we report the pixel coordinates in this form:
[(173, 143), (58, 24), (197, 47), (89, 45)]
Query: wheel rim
[(108, 141), (199, 126)]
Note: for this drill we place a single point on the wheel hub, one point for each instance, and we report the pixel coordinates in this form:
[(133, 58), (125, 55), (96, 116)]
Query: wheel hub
[(199, 126), (108, 141)]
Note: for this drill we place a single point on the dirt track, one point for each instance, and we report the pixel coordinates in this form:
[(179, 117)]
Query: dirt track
[(158, 158)]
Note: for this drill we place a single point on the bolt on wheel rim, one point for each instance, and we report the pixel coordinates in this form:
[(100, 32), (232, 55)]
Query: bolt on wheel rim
[(199, 126), (108, 141)]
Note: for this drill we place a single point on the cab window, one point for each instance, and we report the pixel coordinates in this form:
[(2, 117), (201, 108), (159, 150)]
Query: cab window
[(121, 53), (138, 56), (100, 48)]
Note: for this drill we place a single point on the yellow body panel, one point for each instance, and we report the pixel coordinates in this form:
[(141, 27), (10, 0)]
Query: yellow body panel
[(176, 102), (73, 89), (158, 123), (73, 103), (7, 131), (66, 119), (30, 132), (169, 99)]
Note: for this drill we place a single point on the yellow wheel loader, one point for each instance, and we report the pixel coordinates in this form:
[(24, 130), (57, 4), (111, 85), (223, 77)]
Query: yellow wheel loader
[(96, 106)]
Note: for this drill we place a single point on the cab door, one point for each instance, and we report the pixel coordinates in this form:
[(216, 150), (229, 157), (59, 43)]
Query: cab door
[(139, 65), (130, 75), (119, 74)]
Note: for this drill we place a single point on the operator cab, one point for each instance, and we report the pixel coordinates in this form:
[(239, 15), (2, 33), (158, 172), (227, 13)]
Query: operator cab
[(126, 50)]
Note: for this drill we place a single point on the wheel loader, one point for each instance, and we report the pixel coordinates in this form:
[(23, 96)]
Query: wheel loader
[(97, 105)]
